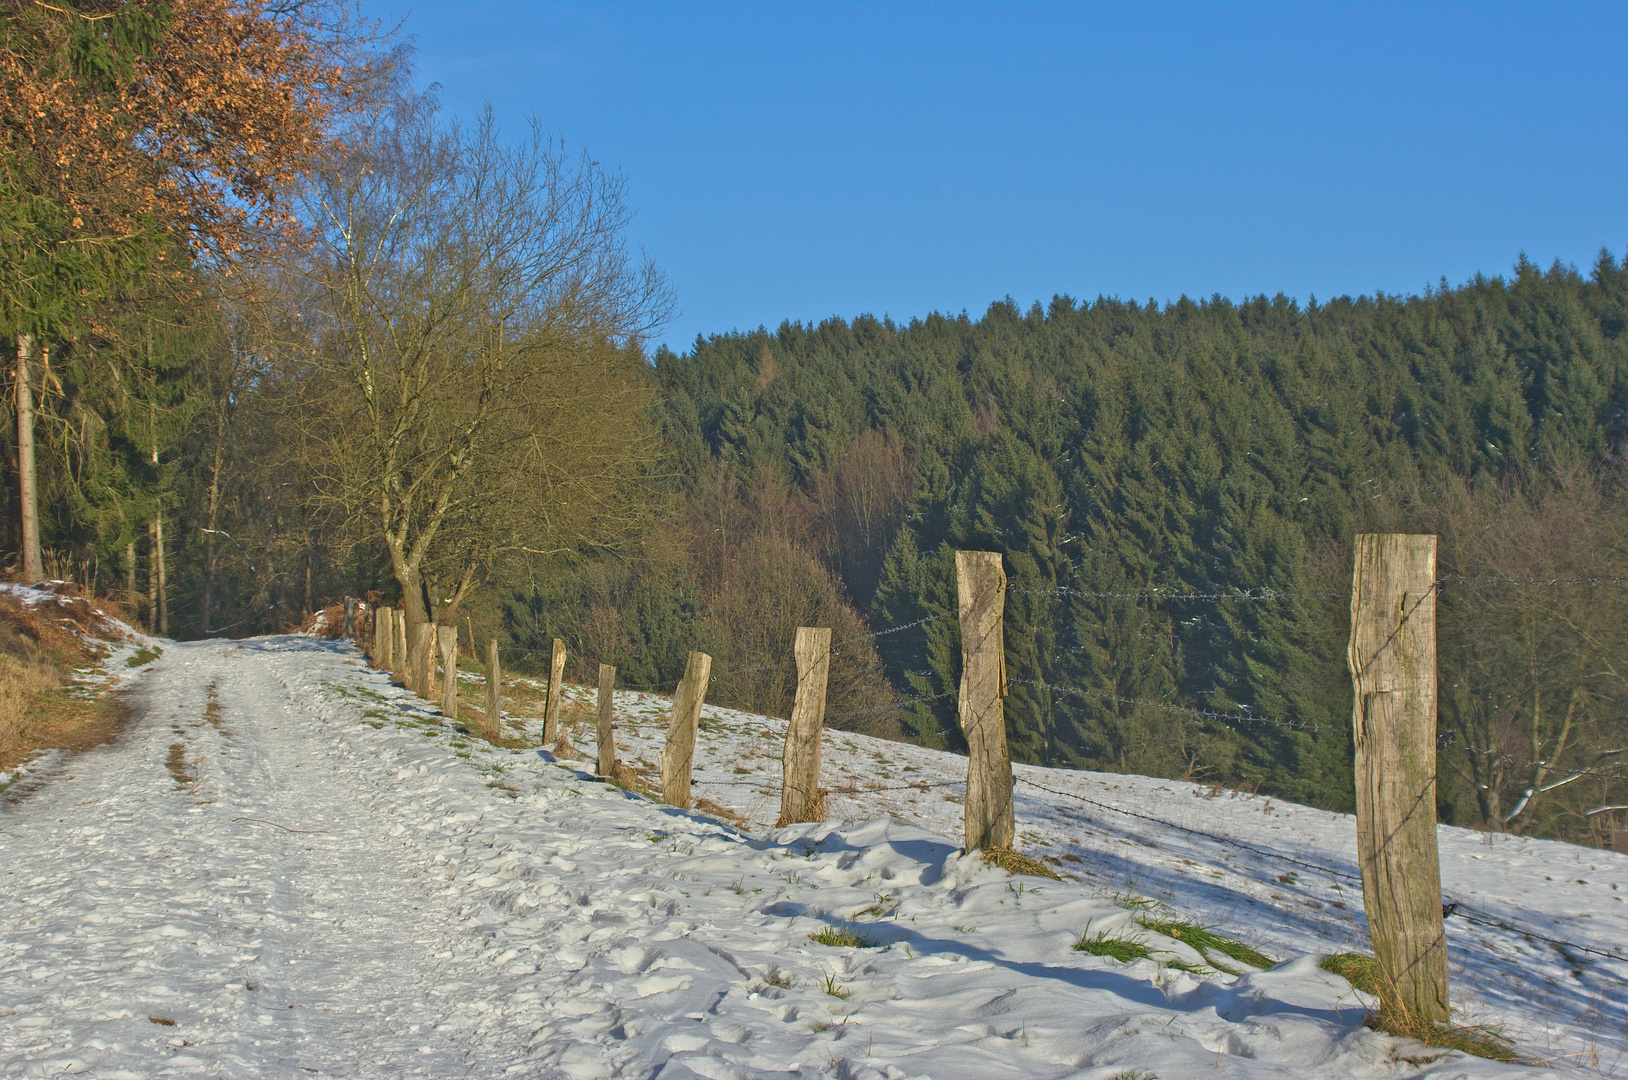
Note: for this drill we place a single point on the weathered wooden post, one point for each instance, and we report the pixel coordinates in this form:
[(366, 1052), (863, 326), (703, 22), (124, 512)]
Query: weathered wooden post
[(494, 692), (1393, 675), (347, 628), (556, 698), (678, 756), (384, 639), (981, 587), (607, 735), (398, 623), (449, 672), (423, 642), (800, 797)]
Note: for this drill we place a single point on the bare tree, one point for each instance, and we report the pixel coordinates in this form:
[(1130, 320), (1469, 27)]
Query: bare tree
[(474, 385)]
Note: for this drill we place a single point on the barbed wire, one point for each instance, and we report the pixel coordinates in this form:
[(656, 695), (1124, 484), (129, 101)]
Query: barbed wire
[(1531, 581), (1267, 852), (1449, 910), (1262, 592), (896, 706), (1171, 707)]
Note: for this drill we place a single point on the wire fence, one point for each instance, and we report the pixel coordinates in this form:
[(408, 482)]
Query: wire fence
[(1241, 718)]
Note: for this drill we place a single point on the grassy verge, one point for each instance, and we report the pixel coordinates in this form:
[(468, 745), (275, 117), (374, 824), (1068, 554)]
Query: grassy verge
[(41, 706), (1362, 972)]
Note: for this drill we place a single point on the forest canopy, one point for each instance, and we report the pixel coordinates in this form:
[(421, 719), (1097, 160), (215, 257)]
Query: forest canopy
[(283, 332)]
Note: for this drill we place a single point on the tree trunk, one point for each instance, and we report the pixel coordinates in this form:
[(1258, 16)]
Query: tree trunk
[(209, 533), (163, 577), (152, 576), (130, 568), (27, 479)]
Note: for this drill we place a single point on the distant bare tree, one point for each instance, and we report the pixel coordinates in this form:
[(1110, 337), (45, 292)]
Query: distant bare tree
[(1534, 650), (473, 382)]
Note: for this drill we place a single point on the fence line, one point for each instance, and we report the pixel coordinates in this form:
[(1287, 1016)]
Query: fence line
[(1401, 890)]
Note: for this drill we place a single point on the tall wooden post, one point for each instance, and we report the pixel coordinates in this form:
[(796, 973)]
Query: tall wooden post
[(449, 672), (432, 684), (398, 623), (981, 587), (607, 733), (1393, 674), (800, 797), (494, 691), (423, 641), (347, 625), (552, 732), (384, 639), (678, 756)]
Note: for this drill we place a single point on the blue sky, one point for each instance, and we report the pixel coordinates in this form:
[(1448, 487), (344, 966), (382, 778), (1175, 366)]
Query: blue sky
[(796, 161)]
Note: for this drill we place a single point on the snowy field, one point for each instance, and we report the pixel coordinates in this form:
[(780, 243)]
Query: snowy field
[(287, 867)]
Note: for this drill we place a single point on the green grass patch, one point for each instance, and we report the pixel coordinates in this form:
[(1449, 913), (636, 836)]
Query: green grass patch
[(1358, 969), (844, 934), (1125, 950), (1205, 941), (145, 656)]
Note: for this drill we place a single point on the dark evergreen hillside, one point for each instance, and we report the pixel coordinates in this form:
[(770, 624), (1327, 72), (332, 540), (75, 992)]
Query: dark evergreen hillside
[(1175, 489)]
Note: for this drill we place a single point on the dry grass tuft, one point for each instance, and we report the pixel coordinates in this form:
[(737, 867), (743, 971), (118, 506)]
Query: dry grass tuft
[(1362, 972), (1013, 863)]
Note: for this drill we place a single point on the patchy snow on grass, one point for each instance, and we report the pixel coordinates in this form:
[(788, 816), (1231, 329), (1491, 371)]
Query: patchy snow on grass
[(289, 866)]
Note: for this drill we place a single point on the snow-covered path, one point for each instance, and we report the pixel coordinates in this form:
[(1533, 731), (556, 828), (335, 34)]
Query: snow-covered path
[(287, 868)]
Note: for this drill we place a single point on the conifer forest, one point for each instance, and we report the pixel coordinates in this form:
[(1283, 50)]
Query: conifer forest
[(412, 362)]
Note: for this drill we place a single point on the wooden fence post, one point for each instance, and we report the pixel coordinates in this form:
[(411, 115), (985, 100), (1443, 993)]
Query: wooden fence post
[(423, 641), (987, 812), (347, 627), (398, 623), (800, 796), (607, 733), (384, 639), (449, 672), (494, 692), (678, 756), (1393, 674), (556, 698)]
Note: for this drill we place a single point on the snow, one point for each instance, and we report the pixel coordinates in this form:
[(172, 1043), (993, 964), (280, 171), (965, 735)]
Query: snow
[(288, 866)]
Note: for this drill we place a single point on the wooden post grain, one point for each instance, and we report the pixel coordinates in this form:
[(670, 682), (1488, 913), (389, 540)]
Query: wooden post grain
[(384, 639), (678, 756), (607, 734), (1393, 673), (347, 626), (449, 672), (552, 732), (987, 813), (398, 623), (494, 691), (800, 795), (423, 642)]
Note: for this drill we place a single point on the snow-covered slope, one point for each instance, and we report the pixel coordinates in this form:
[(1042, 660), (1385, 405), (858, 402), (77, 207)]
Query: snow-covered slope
[(288, 868)]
